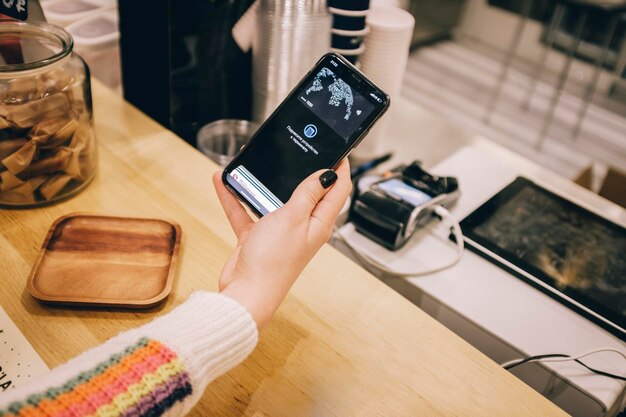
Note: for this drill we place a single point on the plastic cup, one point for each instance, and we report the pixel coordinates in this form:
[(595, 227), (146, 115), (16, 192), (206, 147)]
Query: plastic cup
[(222, 139)]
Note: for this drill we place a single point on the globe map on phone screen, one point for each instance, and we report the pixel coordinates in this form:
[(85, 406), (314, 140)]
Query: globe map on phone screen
[(334, 101)]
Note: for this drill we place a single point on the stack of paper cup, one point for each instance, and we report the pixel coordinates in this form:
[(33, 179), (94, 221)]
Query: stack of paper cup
[(384, 62), (349, 27)]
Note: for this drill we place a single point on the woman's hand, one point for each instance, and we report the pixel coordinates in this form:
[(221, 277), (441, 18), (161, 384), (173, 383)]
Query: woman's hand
[(272, 252)]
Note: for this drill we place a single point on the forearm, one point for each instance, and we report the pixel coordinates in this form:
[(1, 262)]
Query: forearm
[(161, 368)]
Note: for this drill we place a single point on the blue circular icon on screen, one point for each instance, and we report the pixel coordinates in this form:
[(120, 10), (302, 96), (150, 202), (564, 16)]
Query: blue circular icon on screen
[(310, 131)]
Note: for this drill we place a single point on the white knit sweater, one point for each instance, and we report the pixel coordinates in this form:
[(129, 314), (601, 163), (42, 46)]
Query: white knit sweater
[(159, 369)]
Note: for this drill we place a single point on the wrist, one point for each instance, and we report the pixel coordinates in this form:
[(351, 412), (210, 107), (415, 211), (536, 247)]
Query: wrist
[(259, 305)]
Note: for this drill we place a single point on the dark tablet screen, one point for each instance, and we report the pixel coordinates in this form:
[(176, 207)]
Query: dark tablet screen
[(580, 254)]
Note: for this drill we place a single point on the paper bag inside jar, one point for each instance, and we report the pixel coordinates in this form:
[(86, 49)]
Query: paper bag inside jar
[(15, 191), (9, 181), (48, 127), (52, 133), (80, 163), (29, 187), (4, 124), (73, 164), (55, 163), (82, 136), (49, 134), (53, 82), (8, 131), (53, 185), (29, 114), (17, 198), (19, 91), (19, 160), (10, 146)]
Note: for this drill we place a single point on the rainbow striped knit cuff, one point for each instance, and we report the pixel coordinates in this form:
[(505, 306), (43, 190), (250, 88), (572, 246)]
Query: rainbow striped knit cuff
[(146, 379)]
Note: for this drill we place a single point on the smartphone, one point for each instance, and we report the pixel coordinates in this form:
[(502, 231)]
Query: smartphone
[(323, 118)]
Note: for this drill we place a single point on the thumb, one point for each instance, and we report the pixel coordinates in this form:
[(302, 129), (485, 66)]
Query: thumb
[(310, 191)]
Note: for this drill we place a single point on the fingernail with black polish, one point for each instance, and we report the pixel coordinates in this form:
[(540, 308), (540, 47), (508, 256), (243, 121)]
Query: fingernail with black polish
[(328, 178)]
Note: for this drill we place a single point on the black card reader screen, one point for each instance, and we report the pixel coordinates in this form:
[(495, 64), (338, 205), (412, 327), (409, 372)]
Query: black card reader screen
[(311, 130), (573, 250)]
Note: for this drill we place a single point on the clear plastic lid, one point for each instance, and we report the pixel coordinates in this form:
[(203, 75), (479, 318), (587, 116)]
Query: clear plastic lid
[(65, 12), (95, 28), (95, 31), (70, 7)]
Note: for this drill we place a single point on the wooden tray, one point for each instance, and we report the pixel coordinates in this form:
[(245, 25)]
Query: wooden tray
[(106, 261)]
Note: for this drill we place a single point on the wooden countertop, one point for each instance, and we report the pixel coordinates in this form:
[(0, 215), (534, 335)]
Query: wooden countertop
[(342, 344)]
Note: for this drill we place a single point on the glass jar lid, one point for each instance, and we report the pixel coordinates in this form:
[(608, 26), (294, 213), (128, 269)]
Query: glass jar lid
[(28, 46)]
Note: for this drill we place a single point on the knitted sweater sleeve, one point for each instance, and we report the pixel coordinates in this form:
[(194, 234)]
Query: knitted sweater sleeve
[(159, 369)]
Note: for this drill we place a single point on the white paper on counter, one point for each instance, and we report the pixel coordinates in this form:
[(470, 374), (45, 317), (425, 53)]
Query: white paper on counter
[(19, 363)]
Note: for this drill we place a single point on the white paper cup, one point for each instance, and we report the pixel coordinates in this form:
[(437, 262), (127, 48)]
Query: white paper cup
[(391, 19), (384, 61)]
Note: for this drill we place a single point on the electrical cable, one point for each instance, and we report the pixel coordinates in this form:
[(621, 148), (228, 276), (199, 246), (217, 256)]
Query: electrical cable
[(570, 358), (443, 214), (561, 357)]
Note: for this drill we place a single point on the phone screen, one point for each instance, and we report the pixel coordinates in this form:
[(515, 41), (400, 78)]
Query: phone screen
[(316, 126), (404, 192)]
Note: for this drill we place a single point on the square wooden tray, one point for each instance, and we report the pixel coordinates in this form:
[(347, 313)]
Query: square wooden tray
[(106, 261)]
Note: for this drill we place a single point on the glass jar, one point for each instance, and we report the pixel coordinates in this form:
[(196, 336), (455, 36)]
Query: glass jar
[(47, 144)]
